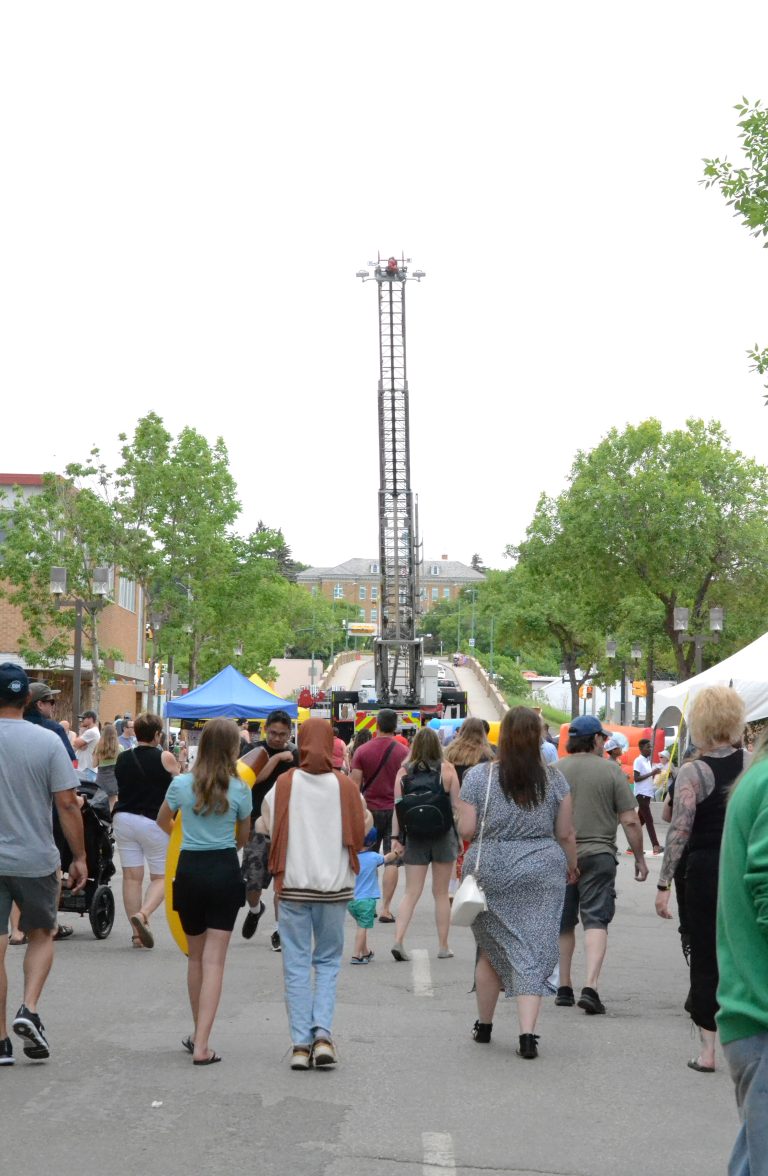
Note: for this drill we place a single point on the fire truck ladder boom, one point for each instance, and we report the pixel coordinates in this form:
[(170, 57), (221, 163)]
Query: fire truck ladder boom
[(397, 651)]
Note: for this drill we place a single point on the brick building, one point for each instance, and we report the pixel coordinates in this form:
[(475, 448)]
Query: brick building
[(121, 628), (358, 581)]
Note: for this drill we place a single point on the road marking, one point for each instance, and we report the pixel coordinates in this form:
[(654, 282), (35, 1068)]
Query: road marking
[(422, 977), (438, 1152)]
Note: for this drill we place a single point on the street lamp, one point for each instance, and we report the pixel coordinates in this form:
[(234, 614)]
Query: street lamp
[(637, 653), (680, 622), (58, 589)]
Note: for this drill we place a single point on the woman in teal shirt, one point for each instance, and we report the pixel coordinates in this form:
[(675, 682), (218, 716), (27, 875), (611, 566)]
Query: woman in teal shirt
[(208, 890)]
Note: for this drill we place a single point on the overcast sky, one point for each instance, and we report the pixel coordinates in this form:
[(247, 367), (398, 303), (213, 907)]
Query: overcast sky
[(188, 190)]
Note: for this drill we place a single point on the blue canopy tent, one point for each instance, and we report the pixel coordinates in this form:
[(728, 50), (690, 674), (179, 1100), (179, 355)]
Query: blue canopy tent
[(229, 695)]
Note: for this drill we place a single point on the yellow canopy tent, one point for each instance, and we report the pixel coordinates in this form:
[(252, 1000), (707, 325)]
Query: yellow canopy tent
[(304, 713)]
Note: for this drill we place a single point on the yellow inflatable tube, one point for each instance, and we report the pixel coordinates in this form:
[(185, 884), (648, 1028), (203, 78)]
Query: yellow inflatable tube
[(172, 860)]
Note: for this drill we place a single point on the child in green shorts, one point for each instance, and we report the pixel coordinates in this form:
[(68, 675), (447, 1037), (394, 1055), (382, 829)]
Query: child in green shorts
[(362, 908)]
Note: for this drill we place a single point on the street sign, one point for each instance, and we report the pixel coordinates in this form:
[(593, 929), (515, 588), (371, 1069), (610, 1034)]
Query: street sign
[(471, 643)]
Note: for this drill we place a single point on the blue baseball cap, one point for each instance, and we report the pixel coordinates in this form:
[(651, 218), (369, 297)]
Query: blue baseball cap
[(14, 683), (370, 837), (587, 725)]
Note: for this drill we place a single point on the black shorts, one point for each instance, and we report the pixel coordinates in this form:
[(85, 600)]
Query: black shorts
[(593, 896), (208, 890), (255, 867), (36, 898), (382, 823)]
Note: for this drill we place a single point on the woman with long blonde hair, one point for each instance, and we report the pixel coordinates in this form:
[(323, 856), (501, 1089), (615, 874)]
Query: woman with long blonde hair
[(208, 890), (104, 759)]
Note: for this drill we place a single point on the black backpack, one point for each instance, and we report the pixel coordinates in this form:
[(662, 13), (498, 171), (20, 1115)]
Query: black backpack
[(424, 811)]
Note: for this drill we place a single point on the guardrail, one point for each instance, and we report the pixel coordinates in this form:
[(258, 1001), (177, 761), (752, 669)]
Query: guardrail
[(341, 659), (493, 694)]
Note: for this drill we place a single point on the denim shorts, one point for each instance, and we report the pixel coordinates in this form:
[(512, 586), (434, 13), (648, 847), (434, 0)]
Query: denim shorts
[(593, 896), (423, 851)]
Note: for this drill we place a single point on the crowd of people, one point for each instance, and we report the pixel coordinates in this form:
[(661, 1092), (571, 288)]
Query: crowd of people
[(319, 822)]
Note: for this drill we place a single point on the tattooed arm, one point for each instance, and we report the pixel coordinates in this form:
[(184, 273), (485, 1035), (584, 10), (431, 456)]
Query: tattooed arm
[(695, 782)]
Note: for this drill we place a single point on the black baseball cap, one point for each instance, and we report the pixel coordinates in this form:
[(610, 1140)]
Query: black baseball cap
[(89, 714), (14, 683)]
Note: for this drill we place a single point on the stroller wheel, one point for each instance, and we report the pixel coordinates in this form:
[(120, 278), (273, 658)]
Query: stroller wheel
[(102, 912)]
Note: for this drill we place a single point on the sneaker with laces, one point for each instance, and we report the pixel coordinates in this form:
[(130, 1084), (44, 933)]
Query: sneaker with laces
[(274, 942), (251, 922), (6, 1052), (324, 1052), (28, 1025)]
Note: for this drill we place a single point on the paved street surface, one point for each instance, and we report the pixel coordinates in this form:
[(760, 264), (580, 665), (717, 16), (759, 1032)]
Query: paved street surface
[(413, 1093)]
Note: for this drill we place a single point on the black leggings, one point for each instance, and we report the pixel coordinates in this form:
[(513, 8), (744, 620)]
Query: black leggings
[(701, 914)]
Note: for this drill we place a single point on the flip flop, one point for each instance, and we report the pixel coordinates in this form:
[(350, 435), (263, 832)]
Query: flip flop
[(696, 1065), (17, 942), (141, 927), (386, 918), (207, 1061), (63, 932), (189, 1044)]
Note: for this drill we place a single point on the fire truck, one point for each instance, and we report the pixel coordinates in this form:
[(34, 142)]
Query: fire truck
[(401, 682)]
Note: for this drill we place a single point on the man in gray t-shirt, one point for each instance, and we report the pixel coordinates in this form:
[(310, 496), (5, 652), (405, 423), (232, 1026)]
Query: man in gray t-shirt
[(35, 772), (602, 799)]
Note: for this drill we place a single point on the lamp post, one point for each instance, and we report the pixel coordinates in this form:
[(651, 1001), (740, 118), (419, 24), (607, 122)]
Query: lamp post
[(58, 588), (611, 648), (637, 653), (681, 620)]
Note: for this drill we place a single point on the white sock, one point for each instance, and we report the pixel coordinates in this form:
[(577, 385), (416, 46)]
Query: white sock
[(254, 909)]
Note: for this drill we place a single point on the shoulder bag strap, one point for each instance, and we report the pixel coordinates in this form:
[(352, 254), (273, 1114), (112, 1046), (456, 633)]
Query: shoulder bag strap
[(381, 764), (482, 823)]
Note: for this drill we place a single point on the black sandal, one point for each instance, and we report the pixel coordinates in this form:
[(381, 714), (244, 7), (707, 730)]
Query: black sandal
[(482, 1032)]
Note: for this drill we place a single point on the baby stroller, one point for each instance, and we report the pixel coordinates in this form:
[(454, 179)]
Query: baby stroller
[(96, 898)]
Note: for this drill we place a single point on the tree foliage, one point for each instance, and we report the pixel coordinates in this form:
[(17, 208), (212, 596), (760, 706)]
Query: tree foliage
[(166, 518), (745, 188)]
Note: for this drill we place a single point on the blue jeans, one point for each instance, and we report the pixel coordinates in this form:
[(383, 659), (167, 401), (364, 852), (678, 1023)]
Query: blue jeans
[(748, 1062), (312, 936)]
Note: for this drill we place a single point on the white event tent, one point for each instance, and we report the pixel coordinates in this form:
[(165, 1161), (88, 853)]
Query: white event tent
[(746, 671)]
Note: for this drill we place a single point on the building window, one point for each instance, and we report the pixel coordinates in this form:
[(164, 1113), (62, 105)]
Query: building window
[(423, 593), (361, 591), (434, 593), (373, 569), (362, 614), (434, 569), (127, 597), (374, 615), (338, 592), (314, 589), (374, 592), (446, 593)]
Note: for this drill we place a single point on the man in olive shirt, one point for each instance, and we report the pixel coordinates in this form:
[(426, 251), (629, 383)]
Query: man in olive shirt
[(602, 798)]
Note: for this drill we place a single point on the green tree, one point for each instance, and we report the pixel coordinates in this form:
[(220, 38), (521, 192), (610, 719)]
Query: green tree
[(69, 526), (677, 517), (745, 188)]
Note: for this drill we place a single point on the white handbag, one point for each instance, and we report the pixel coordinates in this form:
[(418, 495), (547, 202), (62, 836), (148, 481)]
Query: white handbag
[(469, 899)]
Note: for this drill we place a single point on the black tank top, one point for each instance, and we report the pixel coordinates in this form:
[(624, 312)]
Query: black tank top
[(142, 782), (707, 832)]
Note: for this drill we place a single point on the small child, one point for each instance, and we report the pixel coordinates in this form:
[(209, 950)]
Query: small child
[(363, 905)]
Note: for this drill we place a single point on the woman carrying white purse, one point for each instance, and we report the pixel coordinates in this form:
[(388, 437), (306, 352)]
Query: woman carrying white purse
[(528, 855)]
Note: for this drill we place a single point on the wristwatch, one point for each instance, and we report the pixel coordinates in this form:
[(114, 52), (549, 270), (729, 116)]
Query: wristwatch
[(660, 887)]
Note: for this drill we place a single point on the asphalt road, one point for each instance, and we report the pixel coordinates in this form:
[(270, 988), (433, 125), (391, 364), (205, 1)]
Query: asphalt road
[(412, 1093)]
